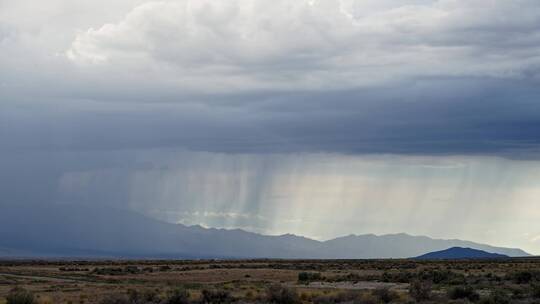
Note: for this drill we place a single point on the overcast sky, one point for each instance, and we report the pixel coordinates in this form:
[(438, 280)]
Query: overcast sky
[(320, 118)]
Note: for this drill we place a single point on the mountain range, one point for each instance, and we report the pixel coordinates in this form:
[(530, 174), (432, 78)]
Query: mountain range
[(93, 232)]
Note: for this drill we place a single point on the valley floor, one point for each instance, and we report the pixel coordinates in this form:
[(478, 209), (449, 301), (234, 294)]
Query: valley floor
[(272, 281)]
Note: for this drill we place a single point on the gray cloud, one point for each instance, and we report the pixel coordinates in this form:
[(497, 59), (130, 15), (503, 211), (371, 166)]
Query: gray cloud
[(246, 45), (415, 77), (438, 117), (118, 102)]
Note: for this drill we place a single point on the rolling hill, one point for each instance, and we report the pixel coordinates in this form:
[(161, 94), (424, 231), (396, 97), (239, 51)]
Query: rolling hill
[(460, 253)]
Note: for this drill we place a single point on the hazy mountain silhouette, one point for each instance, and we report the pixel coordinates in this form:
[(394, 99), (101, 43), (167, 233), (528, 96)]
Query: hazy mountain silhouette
[(77, 231), (460, 253)]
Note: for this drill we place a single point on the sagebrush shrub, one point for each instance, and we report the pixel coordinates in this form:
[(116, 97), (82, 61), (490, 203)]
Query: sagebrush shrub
[(178, 296), (385, 295), (216, 297), (20, 296), (536, 291), (309, 276), (496, 297), (420, 290), (282, 295), (463, 292), (115, 299)]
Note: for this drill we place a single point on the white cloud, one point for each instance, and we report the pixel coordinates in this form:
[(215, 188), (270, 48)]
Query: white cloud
[(535, 239), (317, 44)]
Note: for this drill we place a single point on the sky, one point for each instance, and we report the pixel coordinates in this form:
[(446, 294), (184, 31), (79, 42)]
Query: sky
[(319, 118)]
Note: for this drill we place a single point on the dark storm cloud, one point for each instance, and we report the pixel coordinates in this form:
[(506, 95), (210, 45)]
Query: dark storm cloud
[(439, 116), (354, 77)]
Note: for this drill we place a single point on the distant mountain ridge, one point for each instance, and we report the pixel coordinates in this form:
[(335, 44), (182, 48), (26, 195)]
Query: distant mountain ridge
[(77, 231), (460, 253)]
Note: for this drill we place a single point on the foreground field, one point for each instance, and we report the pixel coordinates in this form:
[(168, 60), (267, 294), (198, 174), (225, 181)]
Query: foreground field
[(271, 281)]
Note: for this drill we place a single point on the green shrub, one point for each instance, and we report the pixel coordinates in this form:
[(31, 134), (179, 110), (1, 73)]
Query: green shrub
[(115, 299), (397, 277), (523, 277), (309, 276), (496, 297), (350, 277), (178, 296), (324, 299), (216, 297), (165, 268), (535, 292), (385, 295), (282, 295), (341, 297), (132, 269), (420, 290), (463, 292), (441, 277), (367, 299), (143, 297), (20, 295), (518, 293)]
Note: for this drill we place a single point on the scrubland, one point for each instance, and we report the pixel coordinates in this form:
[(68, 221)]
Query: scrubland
[(270, 281)]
